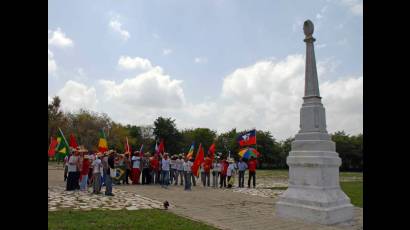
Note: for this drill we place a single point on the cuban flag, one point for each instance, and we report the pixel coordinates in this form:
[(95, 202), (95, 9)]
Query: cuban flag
[(248, 138)]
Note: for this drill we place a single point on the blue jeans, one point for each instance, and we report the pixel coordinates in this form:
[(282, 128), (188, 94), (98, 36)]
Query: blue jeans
[(108, 185), (83, 183), (165, 177)]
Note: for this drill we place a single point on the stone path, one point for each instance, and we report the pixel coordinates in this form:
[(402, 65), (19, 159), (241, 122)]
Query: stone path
[(237, 208)]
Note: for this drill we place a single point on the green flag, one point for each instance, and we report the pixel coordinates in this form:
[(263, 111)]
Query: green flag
[(62, 149)]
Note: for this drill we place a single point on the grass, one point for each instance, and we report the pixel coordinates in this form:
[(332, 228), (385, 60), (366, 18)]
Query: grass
[(122, 219), (354, 190)]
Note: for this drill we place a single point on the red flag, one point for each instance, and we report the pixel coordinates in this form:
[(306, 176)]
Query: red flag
[(161, 148), (198, 161), (52, 148), (127, 146), (73, 143), (211, 151)]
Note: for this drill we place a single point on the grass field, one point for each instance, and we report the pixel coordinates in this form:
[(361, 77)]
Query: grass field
[(146, 219), (354, 190)]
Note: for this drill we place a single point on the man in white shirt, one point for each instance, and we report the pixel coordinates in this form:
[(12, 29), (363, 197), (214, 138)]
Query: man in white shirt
[(187, 173), (180, 171), (97, 170), (73, 168), (136, 168), (173, 169), (216, 170), (165, 162)]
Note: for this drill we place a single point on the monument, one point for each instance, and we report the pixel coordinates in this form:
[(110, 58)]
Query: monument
[(314, 193)]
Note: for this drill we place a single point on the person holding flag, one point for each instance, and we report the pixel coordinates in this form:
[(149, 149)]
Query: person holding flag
[(198, 161)]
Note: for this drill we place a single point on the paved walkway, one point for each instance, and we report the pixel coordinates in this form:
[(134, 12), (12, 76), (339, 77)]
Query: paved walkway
[(222, 208)]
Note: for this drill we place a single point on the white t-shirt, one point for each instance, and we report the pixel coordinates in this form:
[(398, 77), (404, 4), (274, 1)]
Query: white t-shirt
[(180, 163), (136, 162), (187, 166), (216, 167), (231, 168), (173, 164), (165, 164), (72, 164), (96, 166)]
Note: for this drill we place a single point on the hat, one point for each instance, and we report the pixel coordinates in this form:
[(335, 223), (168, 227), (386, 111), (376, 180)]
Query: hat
[(230, 160), (86, 157)]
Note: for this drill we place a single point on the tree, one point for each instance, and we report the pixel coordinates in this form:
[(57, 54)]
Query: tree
[(165, 128), (198, 135)]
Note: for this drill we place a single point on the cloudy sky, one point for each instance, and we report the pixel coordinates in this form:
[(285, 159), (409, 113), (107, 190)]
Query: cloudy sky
[(220, 64)]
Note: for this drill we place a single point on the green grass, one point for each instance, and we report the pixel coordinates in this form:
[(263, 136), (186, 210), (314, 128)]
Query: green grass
[(122, 219), (354, 190)]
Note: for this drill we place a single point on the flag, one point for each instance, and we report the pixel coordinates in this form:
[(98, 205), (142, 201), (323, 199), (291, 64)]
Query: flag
[(156, 147), (62, 146), (198, 160), (211, 151), (248, 138), (161, 147), (141, 153), (52, 148), (127, 146), (102, 144), (191, 152), (73, 142)]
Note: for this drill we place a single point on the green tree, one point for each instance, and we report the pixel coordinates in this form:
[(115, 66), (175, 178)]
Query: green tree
[(198, 135), (165, 128)]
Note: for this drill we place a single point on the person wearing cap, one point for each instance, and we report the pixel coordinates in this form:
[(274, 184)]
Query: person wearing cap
[(242, 166), (97, 170), (136, 168), (216, 170), (252, 171), (108, 179), (179, 170), (84, 173), (165, 170), (187, 170)]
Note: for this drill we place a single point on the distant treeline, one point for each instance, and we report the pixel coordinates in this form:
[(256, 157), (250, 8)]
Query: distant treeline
[(85, 125)]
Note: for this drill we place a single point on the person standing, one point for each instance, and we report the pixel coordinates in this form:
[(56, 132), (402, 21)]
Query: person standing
[(186, 167), (230, 173), (66, 158), (180, 170), (215, 172), (224, 169), (136, 168), (165, 170), (72, 169), (108, 179), (154, 169), (207, 171), (242, 166), (97, 170), (84, 173), (127, 163), (173, 169), (145, 169), (192, 175), (252, 171)]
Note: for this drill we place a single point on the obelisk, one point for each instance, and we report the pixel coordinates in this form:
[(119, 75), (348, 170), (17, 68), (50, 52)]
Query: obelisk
[(314, 193)]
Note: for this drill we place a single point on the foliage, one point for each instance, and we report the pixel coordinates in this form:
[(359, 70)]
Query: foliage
[(121, 219)]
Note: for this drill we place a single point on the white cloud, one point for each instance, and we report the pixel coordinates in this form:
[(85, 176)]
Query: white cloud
[(52, 65), (126, 62), (59, 39), (50, 100), (75, 95), (166, 51), (355, 6), (200, 60), (319, 16), (116, 26), (268, 96)]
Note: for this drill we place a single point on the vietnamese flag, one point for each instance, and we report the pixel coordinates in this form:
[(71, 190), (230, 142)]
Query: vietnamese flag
[(73, 142), (52, 148), (198, 161), (211, 151)]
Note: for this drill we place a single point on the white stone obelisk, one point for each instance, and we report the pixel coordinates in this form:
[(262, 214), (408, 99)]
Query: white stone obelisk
[(314, 193)]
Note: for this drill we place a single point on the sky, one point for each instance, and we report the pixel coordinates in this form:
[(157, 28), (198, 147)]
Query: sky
[(219, 64)]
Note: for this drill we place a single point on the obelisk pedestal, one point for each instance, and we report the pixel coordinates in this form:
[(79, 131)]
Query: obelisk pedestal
[(314, 193)]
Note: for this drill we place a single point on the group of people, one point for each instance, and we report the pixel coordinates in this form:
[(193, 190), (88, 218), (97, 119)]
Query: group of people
[(85, 169)]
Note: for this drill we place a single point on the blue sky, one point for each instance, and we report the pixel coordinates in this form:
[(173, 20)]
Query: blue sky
[(198, 46)]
